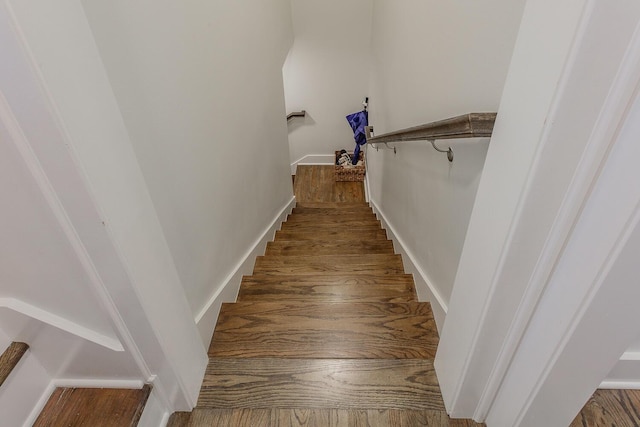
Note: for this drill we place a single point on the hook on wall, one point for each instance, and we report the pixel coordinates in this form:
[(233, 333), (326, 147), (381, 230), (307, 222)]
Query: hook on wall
[(448, 150), (394, 148)]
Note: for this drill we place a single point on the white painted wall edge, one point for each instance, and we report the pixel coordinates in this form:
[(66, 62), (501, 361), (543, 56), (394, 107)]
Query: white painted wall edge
[(59, 322), (35, 412), (208, 315), (424, 285), (154, 414), (313, 159)]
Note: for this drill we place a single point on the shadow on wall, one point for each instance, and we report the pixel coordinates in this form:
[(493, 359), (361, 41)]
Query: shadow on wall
[(298, 122)]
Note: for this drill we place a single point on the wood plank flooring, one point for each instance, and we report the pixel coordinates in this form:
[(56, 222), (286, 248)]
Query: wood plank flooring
[(93, 407), (327, 331), (10, 358), (315, 418), (610, 408), (321, 383), (315, 184)]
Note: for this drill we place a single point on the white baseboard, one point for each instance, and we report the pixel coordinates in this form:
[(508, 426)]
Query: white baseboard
[(228, 292), (625, 374), (59, 322), (424, 285), (620, 385), (313, 159), (39, 406)]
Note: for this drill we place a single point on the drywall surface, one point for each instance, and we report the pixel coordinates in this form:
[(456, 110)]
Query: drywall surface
[(66, 114), (326, 73), (432, 60), (200, 88), (38, 264)]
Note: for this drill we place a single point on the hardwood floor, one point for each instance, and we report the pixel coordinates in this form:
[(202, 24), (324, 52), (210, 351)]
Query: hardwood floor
[(327, 331), (93, 407), (316, 184), (610, 408), (10, 358)]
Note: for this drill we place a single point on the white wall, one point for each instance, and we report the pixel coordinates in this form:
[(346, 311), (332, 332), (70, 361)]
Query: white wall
[(326, 74), (200, 88), (38, 266), (433, 60), (566, 92), (62, 109)]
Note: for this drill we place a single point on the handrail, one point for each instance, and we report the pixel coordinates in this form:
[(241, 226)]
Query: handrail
[(470, 125), (296, 114)]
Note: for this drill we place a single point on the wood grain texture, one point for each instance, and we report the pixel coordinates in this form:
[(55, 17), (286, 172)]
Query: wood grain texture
[(610, 408), (10, 358), (324, 218), (347, 264), (325, 330), (334, 211), (331, 205), (93, 407), (329, 247), (182, 419), (317, 184), (367, 233), (344, 224), (314, 417), (337, 287), (318, 383)]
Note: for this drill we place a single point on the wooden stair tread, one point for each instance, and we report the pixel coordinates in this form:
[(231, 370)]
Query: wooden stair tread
[(93, 407), (337, 219), (332, 211), (325, 330), (315, 417), (342, 225), (329, 234), (329, 247), (330, 278), (321, 263), (328, 288), (328, 227), (320, 383), (10, 359), (347, 264), (332, 205)]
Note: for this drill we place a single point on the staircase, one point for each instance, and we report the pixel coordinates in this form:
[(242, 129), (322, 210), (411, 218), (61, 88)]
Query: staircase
[(326, 332)]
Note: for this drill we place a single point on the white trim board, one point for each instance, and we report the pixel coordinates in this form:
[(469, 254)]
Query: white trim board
[(154, 414), (59, 322), (424, 285), (228, 291), (313, 159)]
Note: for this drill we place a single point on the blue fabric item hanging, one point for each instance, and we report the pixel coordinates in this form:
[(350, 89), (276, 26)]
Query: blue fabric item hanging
[(358, 121)]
